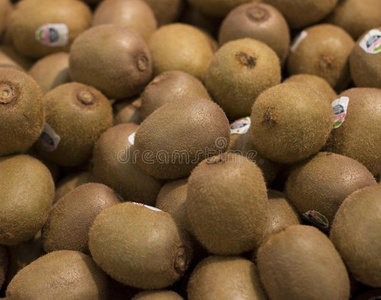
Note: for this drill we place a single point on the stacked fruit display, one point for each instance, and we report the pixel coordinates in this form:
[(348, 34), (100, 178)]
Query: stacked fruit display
[(190, 149)]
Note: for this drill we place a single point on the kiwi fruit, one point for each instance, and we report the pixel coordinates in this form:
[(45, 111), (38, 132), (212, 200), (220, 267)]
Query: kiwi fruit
[(322, 50), (7, 62), (6, 8), (180, 47), (138, 246), (364, 63), (241, 142), (300, 262), (133, 14), (225, 278), (51, 71), (9, 55), (321, 184), (3, 264), (72, 181), (59, 275), (282, 213), (26, 198), (54, 169), (23, 254), (301, 13), (258, 21), (69, 222), (290, 122), (169, 86), (356, 17), (355, 234), (239, 72), (217, 8), (115, 166), (314, 82), (162, 149), (33, 23), (217, 204), (166, 11), (92, 60), (158, 295), (22, 114), (128, 111), (357, 138), (76, 116)]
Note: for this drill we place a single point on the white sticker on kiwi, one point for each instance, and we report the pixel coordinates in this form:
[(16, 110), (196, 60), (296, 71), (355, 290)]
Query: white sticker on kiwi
[(49, 140), (340, 107), (147, 206), (295, 44), (53, 35), (316, 219), (371, 42), (131, 138), (240, 126)]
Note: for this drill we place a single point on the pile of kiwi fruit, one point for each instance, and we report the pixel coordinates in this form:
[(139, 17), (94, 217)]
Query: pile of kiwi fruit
[(190, 149)]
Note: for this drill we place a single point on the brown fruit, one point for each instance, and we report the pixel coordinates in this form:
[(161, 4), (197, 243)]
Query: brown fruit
[(71, 181), (128, 111), (166, 11), (3, 264)]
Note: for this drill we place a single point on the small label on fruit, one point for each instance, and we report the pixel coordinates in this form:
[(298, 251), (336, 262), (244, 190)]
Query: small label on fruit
[(340, 107), (147, 206), (371, 43), (298, 40), (316, 219), (53, 35), (49, 140), (240, 126), (131, 138)]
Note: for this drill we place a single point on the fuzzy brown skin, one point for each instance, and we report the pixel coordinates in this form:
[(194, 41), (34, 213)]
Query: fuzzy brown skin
[(365, 67), (325, 53), (51, 71), (227, 204), (357, 137), (23, 254), (27, 192), (3, 264), (217, 8), (59, 275), (282, 214), (180, 47), (356, 17), (323, 182), (243, 144), (137, 246), (166, 11), (9, 53), (258, 21), (290, 122), (225, 278), (115, 166), (301, 263), (134, 14), (31, 14), (78, 124), (128, 111), (69, 222), (92, 61), (355, 234), (5, 10), (301, 13), (315, 82), (70, 182), (22, 115), (158, 295), (239, 72), (170, 86), (165, 152)]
